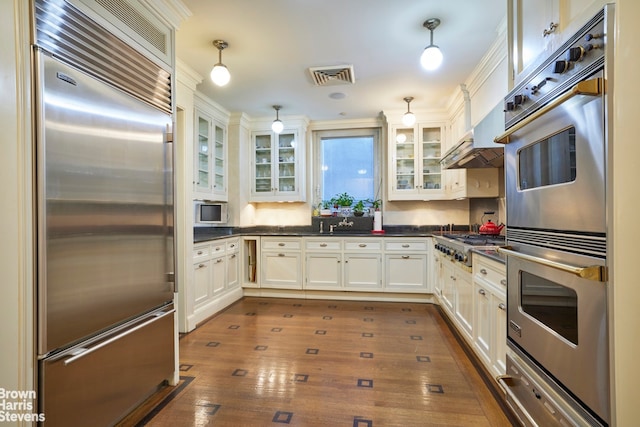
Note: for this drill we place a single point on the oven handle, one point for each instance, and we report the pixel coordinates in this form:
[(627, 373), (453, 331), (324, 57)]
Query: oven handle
[(592, 272), (591, 87)]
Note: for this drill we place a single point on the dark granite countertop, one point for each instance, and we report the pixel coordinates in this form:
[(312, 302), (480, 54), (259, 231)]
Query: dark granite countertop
[(203, 234), (492, 254)]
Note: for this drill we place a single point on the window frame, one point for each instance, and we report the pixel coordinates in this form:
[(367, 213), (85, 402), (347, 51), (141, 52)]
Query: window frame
[(318, 135)]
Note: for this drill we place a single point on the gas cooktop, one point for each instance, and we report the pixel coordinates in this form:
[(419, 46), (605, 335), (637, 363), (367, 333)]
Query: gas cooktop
[(477, 239)]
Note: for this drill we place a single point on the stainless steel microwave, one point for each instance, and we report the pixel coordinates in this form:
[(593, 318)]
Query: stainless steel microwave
[(210, 212)]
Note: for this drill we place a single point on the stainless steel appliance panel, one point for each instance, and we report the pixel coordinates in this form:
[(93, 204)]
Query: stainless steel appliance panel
[(100, 384), (541, 200), (105, 206), (559, 318)]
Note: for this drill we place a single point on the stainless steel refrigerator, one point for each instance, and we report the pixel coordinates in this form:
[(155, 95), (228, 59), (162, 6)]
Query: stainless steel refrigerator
[(105, 221)]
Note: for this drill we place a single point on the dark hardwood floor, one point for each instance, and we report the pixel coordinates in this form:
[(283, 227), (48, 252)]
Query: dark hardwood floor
[(267, 362)]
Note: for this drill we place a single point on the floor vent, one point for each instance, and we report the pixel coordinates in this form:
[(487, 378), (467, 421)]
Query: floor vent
[(337, 74)]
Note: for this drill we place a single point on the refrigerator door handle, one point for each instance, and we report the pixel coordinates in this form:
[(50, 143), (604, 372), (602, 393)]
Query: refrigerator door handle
[(80, 353)]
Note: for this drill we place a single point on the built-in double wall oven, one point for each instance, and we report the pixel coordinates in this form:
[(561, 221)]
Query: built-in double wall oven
[(556, 157)]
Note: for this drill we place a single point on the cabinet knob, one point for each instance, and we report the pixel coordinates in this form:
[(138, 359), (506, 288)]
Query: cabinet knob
[(550, 30), (219, 260), (482, 292), (405, 257), (502, 306), (280, 244), (363, 245), (405, 245), (232, 256), (323, 245), (280, 254), (503, 282), (201, 265), (483, 271), (199, 252)]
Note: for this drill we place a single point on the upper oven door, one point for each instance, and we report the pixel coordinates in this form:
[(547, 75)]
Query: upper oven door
[(555, 168)]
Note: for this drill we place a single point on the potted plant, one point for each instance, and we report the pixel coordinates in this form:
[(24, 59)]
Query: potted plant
[(375, 205), (344, 202), (326, 208), (358, 208)]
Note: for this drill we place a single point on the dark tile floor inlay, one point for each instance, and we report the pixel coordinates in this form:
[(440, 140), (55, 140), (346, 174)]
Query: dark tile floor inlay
[(368, 319), (297, 305), (301, 378), (184, 367), (327, 317), (368, 308), (435, 388), (365, 383), (313, 350), (360, 422), (250, 314), (276, 329), (282, 417), (332, 306), (367, 335), (406, 309), (423, 358), (213, 344), (240, 373), (211, 408), (234, 327), (288, 316), (261, 347), (321, 332), (410, 322), (366, 355), (416, 337)]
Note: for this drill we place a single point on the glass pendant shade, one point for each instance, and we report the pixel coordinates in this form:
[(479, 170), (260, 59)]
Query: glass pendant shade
[(431, 57), (277, 126), (409, 119), (220, 74)]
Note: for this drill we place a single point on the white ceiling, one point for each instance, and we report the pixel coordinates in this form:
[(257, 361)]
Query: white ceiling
[(273, 43)]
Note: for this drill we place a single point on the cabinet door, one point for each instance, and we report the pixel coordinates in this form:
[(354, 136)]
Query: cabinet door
[(233, 270), (263, 164), (531, 33), (287, 161), (464, 302), (406, 273), (363, 272), (219, 161), (448, 286), (218, 275), (403, 147), (202, 164), (483, 323), (281, 270), (430, 155), (201, 279), (324, 271), (500, 329)]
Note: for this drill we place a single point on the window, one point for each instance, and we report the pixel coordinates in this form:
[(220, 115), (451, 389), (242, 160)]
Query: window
[(347, 161)]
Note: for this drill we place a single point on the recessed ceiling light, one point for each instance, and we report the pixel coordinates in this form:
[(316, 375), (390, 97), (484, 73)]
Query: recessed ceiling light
[(337, 95)]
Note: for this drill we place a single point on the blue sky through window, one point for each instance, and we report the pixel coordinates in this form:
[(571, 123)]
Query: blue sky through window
[(347, 165)]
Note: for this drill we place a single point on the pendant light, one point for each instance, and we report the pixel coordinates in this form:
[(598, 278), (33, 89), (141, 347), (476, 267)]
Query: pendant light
[(277, 126), (431, 56), (409, 119), (220, 73)]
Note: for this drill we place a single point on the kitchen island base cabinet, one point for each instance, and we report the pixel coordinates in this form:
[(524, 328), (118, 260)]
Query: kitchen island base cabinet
[(215, 280)]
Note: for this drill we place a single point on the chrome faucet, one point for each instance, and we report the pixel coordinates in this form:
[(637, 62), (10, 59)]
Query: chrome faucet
[(331, 227), (321, 227), (345, 223)]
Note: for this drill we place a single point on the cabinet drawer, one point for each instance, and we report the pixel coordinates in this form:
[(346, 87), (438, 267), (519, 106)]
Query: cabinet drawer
[(218, 248), (281, 244), (489, 271), (233, 245), (200, 253), (363, 245), (407, 246), (323, 245)]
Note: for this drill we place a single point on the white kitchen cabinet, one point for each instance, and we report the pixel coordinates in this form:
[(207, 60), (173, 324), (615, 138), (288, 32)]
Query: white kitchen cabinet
[(210, 158), (281, 263), (277, 166), (464, 301), (489, 338), (215, 271), (533, 31), (468, 183), (232, 263), (435, 270), (344, 264), (414, 155), (201, 275), (448, 287), (406, 265)]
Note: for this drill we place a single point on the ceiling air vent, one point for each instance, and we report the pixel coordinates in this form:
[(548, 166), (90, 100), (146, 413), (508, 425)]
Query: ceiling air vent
[(336, 74)]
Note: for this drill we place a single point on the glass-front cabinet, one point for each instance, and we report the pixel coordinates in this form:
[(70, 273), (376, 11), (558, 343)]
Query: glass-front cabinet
[(210, 158), (276, 166), (415, 154)]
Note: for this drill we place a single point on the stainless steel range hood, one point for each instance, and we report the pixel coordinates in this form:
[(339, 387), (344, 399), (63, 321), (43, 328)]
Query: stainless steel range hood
[(477, 148)]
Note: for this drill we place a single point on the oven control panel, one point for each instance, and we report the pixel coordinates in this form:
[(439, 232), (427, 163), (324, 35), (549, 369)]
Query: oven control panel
[(583, 54)]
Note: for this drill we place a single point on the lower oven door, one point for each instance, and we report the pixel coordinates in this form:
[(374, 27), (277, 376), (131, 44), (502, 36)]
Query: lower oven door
[(557, 316)]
